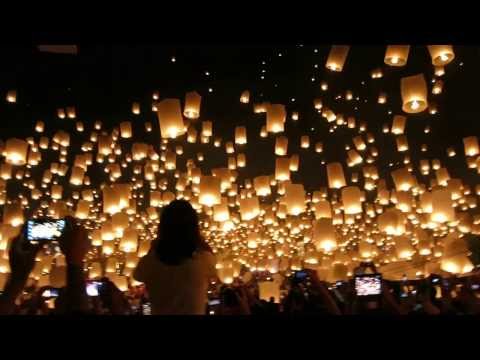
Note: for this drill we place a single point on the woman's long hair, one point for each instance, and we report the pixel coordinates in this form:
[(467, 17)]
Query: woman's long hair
[(178, 233)]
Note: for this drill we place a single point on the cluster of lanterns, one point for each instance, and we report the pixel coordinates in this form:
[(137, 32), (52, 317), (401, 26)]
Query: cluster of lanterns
[(263, 223)]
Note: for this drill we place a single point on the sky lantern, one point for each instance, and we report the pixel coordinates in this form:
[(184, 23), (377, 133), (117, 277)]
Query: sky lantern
[(282, 169), (294, 199), (324, 235), (249, 208), (240, 135), (336, 57), (441, 54), (245, 97), (471, 146), (16, 151), (209, 191), (396, 55), (276, 116), (136, 108), (351, 199), (170, 118), (281, 145), (192, 105), (335, 175), (414, 93), (442, 206)]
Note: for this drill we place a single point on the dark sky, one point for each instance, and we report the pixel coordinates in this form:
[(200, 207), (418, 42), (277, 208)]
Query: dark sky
[(103, 80)]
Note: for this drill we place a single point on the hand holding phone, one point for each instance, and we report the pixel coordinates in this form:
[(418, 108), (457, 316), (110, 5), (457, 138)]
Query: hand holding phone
[(44, 230), (368, 285)]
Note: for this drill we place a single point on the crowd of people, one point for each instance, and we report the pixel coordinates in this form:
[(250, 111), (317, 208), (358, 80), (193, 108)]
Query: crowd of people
[(178, 277)]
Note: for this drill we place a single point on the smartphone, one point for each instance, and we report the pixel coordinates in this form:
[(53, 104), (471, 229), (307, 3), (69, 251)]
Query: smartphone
[(214, 302), (44, 230), (146, 309), (368, 284), (93, 288), (300, 275), (50, 293), (475, 286)]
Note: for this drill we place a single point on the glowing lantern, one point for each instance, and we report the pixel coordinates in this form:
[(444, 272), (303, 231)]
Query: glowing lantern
[(336, 178), (170, 118), (294, 162), (221, 212), (276, 116), (414, 94), (240, 135), (245, 97), (207, 128), (126, 129), (16, 151), (392, 222), (471, 146), (282, 169), (294, 199), (249, 208), (441, 54), (336, 57), (129, 241), (396, 55), (136, 108), (403, 179), (209, 191), (241, 160), (281, 144), (398, 124), (76, 178), (324, 235), (262, 185), (442, 206), (351, 199), (403, 247), (13, 214), (192, 105), (305, 142)]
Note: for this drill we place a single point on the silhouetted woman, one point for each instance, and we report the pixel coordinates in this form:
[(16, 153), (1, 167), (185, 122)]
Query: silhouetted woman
[(179, 265)]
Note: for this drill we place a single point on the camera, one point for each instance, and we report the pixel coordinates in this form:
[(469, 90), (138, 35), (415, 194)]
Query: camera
[(368, 285), (93, 288), (44, 230)]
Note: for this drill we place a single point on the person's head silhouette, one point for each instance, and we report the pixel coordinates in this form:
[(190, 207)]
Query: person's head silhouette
[(178, 233)]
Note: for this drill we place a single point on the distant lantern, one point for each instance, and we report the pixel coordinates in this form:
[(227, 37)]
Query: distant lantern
[(61, 113), (39, 126), (294, 199), (192, 105), (441, 54), (240, 135), (414, 93), (13, 214), (207, 129), (263, 132), (276, 116), (170, 118), (16, 151), (209, 193), (351, 199), (76, 178), (471, 146), (402, 179), (305, 142), (442, 206), (282, 169), (281, 145), (249, 208), (136, 108), (261, 185), (402, 143), (295, 116), (294, 162), (336, 57), (398, 124), (382, 98), (335, 175), (324, 235), (241, 160), (12, 96), (396, 55), (318, 104), (245, 97), (126, 129), (437, 87), (71, 113), (439, 71)]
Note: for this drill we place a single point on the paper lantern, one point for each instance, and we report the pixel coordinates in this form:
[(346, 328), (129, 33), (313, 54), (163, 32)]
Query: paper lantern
[(396, 55), (126, 129), (439, 70), (71, 113), (459, 264), (294, 162), (324, 235), (403, 179), (441, 54), (437, 87), (83, 208), (13, 214), (282, 169), (170, 118), (249, 208), (221, 212), (276, 116), (317, 104), (294, 199), (336, 178), (192, 105), (245, 97), (322, 209), (207, 128), (336, 57), (240, 135), (414, 94), (129, 241), (262, 185), (209, 191), (16, 151), (76, 177), (136, 108), (281, 145), (351, 199), (305, 142), (392, 222), (442, 206), (398, 124), (471, 146), (5, 171), (241, 160)]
